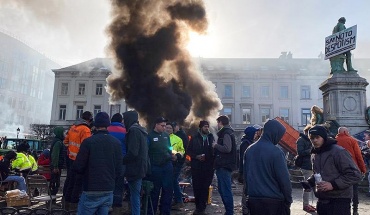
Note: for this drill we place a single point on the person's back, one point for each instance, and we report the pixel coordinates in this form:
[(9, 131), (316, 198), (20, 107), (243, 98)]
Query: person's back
[(266, 173)]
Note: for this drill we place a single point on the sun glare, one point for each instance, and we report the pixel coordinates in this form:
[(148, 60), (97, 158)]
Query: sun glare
[(199, 45)]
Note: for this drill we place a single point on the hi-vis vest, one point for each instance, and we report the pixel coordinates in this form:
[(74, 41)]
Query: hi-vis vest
[(21, 162), (74, 138), (33, 162)]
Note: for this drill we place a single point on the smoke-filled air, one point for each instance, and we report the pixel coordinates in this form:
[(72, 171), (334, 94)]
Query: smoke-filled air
[(154, 71)]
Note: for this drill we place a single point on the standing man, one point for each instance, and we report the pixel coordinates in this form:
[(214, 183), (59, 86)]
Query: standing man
[(366, 154), (117, 130), (225, 161), (266, 174), (201, 152), (304, 147), (178, 131), (57, 155), (76, 134), (100, 163), (345, 140), (136, 159), (160, 154), (334, 177)]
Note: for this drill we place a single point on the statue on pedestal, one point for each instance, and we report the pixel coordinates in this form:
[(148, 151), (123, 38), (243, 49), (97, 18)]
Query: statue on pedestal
[(337, 62)]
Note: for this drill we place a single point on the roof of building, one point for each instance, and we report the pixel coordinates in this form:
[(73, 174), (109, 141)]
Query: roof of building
[(96, 64)]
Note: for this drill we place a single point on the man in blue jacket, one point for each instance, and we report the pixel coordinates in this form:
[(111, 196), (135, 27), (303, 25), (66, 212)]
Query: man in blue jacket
[(99, 161), (266, 174)]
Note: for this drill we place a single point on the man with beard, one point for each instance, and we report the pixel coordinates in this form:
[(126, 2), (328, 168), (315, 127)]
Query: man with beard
[(266, 174), (201, 152)]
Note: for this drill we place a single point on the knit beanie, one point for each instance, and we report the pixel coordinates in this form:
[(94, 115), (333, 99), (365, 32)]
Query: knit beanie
[(319, 130), (102, 120), (46, 153), (116, 118), (203, 123)]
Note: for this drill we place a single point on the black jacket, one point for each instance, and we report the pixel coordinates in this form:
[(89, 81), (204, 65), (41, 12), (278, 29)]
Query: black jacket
[(99, 161), (304, 147), (136, 158), (225, 160), (197, 147), (4, 168)]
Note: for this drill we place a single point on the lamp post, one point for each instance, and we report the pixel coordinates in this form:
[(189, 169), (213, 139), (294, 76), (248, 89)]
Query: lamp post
[(18, 130)]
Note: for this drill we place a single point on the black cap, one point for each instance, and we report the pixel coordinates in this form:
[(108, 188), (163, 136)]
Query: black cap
[(160, 119), (319, 130)]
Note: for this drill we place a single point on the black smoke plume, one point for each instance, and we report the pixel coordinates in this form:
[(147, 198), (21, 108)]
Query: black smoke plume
[(155, 74)]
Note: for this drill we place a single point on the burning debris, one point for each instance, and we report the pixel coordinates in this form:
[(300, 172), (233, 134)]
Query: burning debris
[(155, 74)]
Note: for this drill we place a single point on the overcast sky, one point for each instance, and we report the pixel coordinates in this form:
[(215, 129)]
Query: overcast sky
[(72, 31)]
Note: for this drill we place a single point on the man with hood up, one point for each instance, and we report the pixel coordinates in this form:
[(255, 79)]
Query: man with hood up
[(266, 174), (338, 173), (248, 138), (57, 157), (136, 158)]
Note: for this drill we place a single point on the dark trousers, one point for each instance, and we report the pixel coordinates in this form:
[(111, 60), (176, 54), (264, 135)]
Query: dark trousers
[(340, 206), (202, 179), (355, 197), (119, 188), (265, 206), (54, 182), (162, 178), (73, 185)]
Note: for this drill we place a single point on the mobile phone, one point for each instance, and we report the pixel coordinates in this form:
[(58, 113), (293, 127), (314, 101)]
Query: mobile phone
[(305, 185)]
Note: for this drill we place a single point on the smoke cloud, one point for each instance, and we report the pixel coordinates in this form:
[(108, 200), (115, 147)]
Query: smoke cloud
[(155, 74)]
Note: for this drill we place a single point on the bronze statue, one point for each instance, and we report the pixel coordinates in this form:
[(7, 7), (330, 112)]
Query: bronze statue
[(317, 115), (337, 62)]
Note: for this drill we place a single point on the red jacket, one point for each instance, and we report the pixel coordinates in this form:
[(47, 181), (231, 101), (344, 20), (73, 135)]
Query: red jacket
[(44, 161), (351, 145)]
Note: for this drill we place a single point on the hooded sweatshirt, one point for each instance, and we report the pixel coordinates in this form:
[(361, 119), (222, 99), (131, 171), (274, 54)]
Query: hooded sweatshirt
[(57, 150), (265, 168), (247, 140), (136, 159)]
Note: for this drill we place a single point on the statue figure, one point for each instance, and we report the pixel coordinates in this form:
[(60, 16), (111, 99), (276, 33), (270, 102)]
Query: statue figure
[(317, 115), (337, 62)]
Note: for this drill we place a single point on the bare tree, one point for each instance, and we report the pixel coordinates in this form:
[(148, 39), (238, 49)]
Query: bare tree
[(42, 131)]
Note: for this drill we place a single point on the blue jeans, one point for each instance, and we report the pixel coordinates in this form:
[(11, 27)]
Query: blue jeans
[(176, 187), (162, 180), (119, 188), (21, 183), (135, 188), (97, 203), (224, 188)]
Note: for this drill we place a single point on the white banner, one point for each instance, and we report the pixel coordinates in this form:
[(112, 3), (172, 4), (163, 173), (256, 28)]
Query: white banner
[(340, 42)]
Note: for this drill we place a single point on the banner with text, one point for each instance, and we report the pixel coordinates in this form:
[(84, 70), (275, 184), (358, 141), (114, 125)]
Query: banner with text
[(340, 42)]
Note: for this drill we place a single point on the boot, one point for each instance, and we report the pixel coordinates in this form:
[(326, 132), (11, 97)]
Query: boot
[(355, 212)]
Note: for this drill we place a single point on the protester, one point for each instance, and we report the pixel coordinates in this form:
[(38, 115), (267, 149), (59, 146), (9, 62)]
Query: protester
[(117, 130), (179, 152), (160, 155), (5, 170), (58, 152), (178, 131), (304, 147), (44, 160), (225, 161), (75, 135), (333, 178), (201, 152), (264, 164), (22, 163), (136, 159), (99, 161), (345, 140)]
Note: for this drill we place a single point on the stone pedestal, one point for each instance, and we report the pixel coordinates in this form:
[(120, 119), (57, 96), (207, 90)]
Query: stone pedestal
[(344, 98)]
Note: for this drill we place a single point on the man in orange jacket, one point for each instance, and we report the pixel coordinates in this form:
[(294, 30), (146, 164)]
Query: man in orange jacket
[(76, 134), (345, 140)]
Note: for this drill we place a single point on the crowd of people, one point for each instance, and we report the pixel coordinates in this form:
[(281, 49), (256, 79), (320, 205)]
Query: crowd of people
[(107, 157)]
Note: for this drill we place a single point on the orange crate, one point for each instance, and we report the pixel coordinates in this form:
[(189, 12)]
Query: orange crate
[(16, 201), (288, 141)]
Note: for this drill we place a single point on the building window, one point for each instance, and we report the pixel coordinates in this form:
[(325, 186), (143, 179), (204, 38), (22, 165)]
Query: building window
[(62, 112), (228, 112), (284, 114), (265, 91), (64, 90), (79, 111), (228, 91), (246, 115), (246, 91), (99, 89), (306, 116), (81, 89), (115, 109), (305, 92), (97, 109), (284, 92), (265, 114)]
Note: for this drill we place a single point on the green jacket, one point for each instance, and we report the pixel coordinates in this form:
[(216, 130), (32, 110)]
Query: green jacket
[(160, 150)]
